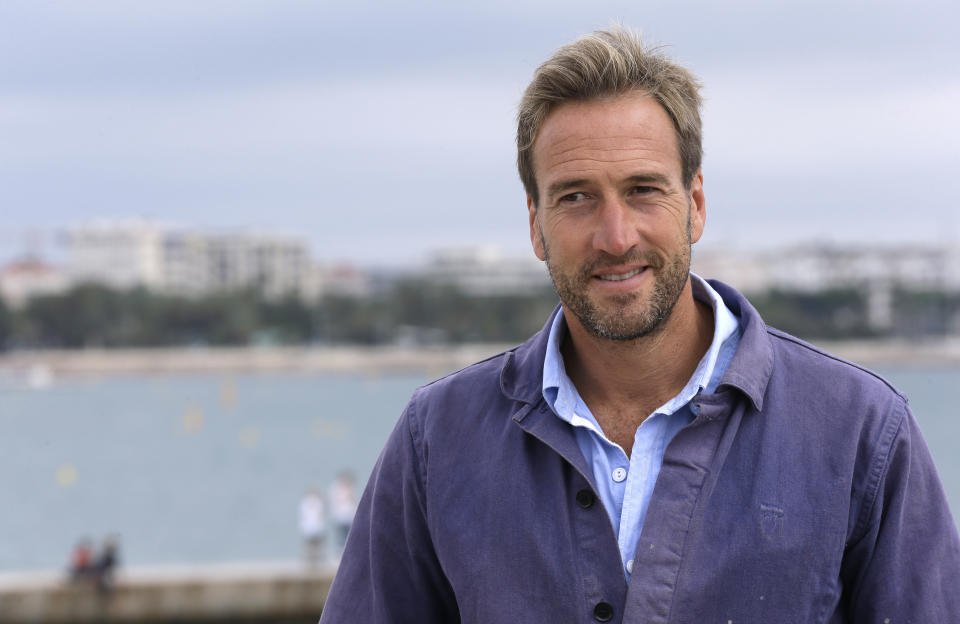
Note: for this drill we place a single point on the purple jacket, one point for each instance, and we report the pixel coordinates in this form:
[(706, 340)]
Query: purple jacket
[(802, 492)]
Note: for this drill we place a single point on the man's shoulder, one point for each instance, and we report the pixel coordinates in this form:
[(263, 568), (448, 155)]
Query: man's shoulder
[(480, 385), (464, 409), (515, 374), (776, 365), (823, 375), (477, 377)]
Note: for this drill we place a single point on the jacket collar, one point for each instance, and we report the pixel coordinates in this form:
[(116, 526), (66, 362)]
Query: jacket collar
[(521, 377), (752, 365)]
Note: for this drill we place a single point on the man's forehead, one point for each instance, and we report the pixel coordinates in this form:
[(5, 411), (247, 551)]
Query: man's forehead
[(625, 129), (632, 115), (611, 148)]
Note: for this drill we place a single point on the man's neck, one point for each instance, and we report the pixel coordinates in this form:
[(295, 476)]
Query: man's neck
[(646, 372)]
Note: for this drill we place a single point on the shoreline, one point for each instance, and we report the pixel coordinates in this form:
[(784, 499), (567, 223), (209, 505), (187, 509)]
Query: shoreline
[(380, 359), (340, 359)]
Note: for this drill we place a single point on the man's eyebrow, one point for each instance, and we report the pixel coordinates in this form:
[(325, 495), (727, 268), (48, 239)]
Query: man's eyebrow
[(640, 179), (649, 178), (561, 186)]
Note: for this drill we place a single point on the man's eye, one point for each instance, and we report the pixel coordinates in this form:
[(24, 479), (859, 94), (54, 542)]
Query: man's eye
[(642, 190), (574, 197)]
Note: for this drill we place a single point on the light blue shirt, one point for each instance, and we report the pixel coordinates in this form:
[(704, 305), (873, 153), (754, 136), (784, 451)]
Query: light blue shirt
[(625, 485)]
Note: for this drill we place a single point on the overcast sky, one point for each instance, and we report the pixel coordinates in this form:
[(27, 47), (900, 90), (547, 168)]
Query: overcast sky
[(384, 130)]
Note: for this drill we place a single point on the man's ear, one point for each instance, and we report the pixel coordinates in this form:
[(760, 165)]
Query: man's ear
[(698, 207), (535, 239)]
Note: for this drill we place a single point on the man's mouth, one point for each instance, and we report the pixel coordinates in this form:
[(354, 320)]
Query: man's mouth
[(619, 277)]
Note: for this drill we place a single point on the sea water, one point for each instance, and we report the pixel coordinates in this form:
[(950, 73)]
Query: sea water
[(209, 468)]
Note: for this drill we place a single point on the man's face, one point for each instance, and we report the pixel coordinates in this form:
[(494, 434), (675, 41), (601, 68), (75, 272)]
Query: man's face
[(615, 221)]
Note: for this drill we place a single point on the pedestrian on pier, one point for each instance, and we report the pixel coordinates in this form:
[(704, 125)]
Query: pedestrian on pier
[(343, 507), (106, 563), (81, 559), (313, 526)]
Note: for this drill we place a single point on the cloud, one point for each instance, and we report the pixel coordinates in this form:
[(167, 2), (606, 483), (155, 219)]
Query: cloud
[(850, 117), (389, 125)]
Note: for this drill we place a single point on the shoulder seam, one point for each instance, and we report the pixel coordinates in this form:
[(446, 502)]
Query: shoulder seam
[(776, 333), (416, 438), (468, 366), (881, 463)]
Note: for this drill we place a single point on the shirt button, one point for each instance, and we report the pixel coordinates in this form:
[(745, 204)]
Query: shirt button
[(630, 566), (619, 474), (585, 499), (603, 612)]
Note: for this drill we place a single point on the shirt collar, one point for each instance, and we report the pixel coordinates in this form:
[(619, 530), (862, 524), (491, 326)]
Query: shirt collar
[(561, 395)]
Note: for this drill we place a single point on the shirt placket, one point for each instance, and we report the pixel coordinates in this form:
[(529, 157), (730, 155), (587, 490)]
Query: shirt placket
[(637, 486)]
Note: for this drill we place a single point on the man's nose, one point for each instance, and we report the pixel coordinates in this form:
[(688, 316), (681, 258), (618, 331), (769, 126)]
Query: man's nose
[(615, 233)]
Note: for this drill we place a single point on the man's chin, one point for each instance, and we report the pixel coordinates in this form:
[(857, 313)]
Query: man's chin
[(618, 328), (632, 333)]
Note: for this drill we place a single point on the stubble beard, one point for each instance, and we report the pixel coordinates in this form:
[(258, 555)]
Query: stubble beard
[(612, 321)]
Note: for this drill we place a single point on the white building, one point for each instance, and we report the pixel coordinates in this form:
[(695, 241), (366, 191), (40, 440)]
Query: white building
[(341, 280), (878, 271), (123, 254), (812, 268), (22, 280), (127, 254), (274, 265), (486, 271)]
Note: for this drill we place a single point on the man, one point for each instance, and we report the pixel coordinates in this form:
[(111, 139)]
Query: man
[(655, 453), (313, 526)]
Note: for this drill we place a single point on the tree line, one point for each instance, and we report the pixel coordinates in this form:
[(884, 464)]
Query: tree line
[(410, 311)]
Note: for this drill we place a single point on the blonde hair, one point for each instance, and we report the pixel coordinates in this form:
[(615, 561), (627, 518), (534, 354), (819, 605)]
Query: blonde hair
[(603, 64)]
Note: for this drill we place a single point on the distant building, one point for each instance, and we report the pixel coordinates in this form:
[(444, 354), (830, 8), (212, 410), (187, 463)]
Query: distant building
[(339, 280), (485, 271), (186, 264), (134, 253), (274, 265), (812, 268), (123, 254), (877, 271), (24, 279)]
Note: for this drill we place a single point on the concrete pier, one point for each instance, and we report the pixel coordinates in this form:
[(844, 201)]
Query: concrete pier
[(253, 593)]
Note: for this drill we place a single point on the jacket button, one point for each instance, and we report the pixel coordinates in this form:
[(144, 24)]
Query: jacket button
[(603, 612), (585, 500)]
